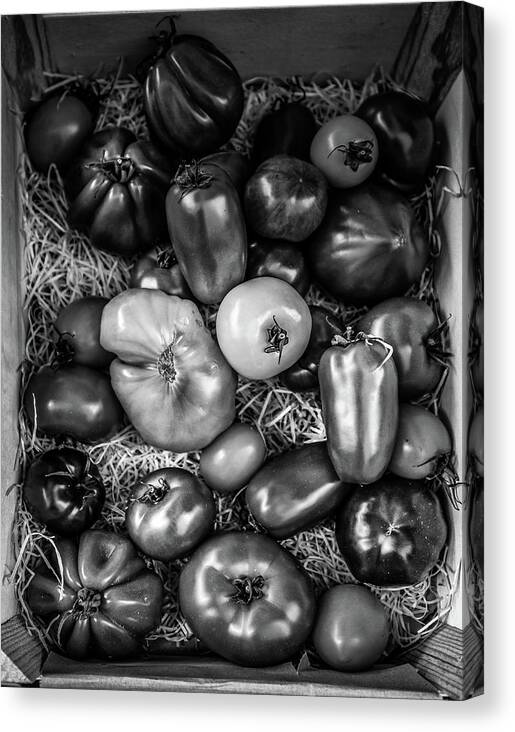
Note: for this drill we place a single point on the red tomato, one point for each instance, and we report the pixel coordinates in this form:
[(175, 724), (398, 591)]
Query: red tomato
[(345, 150), (230, 461), (263, 327), (351, 629), (421, 444), (78, 330)]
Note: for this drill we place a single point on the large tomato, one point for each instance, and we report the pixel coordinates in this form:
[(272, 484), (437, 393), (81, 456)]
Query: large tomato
[(287, 129), (170, 376), (422, 445), (263, 326), (159, 270), (391, 533), (276, 258), (116, 189), (247, 599), (207, 228), (295, 490), (369, 246), (78, 334), (169, 512), (228, 463), (96, 596)]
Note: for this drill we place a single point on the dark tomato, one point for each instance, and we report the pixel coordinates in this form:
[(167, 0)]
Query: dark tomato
[(78, 334), (286, 130), (286, 198), (476, 442), (63, 489), (478, 364), (247, 599), (169, 512), (159, 270), (345, 150), (476, 526), (303, 375), (351, 630), (391, 533), (276, 258), (234, 164), (228, 463), (422, 443), (369, 246), (405, 135), (262, 327), (74, 400)]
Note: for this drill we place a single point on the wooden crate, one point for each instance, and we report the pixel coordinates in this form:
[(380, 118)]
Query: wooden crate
[(433, 49)]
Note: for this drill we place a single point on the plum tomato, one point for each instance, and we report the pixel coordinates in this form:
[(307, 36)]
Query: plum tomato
[(78, 334), (351, 629), (345, 150), (230, 461), (263, 327), (277, 258), (422, 445)]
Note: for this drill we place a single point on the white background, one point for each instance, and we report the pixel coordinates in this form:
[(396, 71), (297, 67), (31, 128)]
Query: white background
[(42, 710)]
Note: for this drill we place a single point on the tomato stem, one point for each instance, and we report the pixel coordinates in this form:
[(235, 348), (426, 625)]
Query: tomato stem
[(248, 589), (63, 349), (277, 339), (87, 602), (119, 169), (166, 365), (166, 258), (191, 176), (154, 493), (355, 153)]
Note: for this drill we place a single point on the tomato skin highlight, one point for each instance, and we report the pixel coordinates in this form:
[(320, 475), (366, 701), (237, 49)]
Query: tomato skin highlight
[(422, 441), (277, 258), (351, 630), (228, 463), (78, 325)]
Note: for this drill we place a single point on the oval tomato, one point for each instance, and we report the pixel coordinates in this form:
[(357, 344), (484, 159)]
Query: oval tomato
[(228, 463), (295, 490), (286, 198), (78, 329), (345, 150), (63, 489), (276, 258), (170, 376), (247, 599), (106, 602), (207, 228), (73, 400), (169, 512), (391, 532), (159, 270), (422, 444), (476, 442), (263, 326), (351, 630), (369, 246), (287, 129)]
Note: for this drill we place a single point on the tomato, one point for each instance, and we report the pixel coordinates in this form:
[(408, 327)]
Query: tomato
[(247, 599), (478, 364), (411, 327), (476, 525), (345, 150), (74, 400), (263, 326), (285, 198), (391, 532), (57, 126), (405, 135), (116, 189), (169, 512), (207, 228), (303, 375), (159, 270), (63, 489), (351, 630), (295, 490), (170, 376), (422, 445), (234, 164), (106, 602), (193, 95), (78, 334), (287, 129), (369, 246), (476, 442), (358, 389), (228, 463), (277, 258)]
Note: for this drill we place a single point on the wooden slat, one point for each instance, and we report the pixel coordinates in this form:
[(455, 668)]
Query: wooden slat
[(21, 651)]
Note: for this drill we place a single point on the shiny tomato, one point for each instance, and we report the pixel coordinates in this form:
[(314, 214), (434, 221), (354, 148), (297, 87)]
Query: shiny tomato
[(159, 270), (277, 258), (345, 150), (169, 512), (422, 444), (228, 463), (263, 326), (476, 442), (78, 334), (351, 630)]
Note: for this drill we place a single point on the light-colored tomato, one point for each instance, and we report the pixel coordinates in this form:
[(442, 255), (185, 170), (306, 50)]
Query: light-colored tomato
[(230, 461), (422, 442)]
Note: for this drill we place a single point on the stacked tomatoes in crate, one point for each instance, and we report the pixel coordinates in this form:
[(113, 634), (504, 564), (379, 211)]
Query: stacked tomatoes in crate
[(301, 269)]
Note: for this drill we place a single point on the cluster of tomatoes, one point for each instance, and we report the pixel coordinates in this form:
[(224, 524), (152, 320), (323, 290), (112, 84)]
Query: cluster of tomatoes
[(324, 203)]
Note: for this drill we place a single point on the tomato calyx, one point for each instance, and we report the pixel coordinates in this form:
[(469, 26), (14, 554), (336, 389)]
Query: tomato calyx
[(190, 176), (119, 169), (63, 349), (434, 344), (367, 338), (166, 365), (154, 493), (87, 603), (355, 153), (248, 589), (163, 40), (277, 339)]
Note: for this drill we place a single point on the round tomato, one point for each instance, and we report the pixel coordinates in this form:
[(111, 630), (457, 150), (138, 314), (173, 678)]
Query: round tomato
[(169, 512), (78, 331), (391, 532), (286, 130), (63, 489), (234, 164), (263, 326), (286, 198), (476, 442), (345, 150), (422, 445), (159, 270), (247, 599), (73, 400), (276, 258), (228, 463), (351, 629)]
